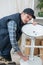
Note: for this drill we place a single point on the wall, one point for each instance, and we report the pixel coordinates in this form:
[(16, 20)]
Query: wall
[(8, 7)]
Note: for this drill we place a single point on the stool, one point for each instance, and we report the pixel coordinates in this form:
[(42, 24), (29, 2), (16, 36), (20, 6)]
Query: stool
[(32, 31)]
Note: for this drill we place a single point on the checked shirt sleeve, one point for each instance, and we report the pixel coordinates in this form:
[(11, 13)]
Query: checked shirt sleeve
[(12, 34)]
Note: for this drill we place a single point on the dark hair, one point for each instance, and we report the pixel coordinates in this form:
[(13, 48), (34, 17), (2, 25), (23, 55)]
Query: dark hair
[(29, 11)]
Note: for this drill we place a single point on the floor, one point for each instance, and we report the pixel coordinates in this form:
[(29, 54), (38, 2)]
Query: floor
[(7, 63)]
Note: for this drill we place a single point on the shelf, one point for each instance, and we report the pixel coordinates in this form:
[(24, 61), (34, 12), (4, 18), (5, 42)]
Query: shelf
[(39, 18)]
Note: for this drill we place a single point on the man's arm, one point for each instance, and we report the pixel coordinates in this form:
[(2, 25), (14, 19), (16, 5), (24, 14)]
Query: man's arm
[(12, 34)]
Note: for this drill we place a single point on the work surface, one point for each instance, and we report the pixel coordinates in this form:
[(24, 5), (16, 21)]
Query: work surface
[(33, 30)]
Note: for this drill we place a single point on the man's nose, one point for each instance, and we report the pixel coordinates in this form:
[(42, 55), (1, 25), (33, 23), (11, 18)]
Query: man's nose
[(28, 19)]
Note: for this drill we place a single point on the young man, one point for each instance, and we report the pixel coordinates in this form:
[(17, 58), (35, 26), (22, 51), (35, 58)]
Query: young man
[(10, 32)]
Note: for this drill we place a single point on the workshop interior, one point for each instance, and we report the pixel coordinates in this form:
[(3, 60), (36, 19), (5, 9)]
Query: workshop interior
[(30, 42)]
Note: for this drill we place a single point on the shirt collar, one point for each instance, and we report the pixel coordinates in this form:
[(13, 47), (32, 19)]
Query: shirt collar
[(21, 20)]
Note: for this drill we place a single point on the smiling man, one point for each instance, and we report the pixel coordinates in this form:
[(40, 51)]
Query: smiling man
[(10, 32)]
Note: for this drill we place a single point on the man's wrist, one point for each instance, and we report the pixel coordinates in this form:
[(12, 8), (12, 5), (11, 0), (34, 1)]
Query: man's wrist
[(20, 54)]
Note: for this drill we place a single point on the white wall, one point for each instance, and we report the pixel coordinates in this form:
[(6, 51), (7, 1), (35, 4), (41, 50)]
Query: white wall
[(4, 8), (8, 7)]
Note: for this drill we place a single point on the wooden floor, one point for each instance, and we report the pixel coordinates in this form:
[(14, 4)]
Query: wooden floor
[(7, 63)]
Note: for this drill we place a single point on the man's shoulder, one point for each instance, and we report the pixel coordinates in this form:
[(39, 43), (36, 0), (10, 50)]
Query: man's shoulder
[(12, 15), (16, 14)]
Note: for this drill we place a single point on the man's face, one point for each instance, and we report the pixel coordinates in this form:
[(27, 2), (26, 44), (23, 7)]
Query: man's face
[(26, 17)]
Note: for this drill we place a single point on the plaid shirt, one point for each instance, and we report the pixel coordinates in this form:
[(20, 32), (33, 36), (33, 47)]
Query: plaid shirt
[(12, 26)]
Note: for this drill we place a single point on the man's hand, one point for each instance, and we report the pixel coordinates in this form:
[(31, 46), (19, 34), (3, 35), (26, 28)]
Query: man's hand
[(34, 23), (25, 58)]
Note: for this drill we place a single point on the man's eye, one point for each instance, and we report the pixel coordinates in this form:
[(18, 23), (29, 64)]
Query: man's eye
[(29, 19), (27, 16)]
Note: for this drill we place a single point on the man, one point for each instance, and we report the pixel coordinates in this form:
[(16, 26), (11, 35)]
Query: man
[(10, 32)]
